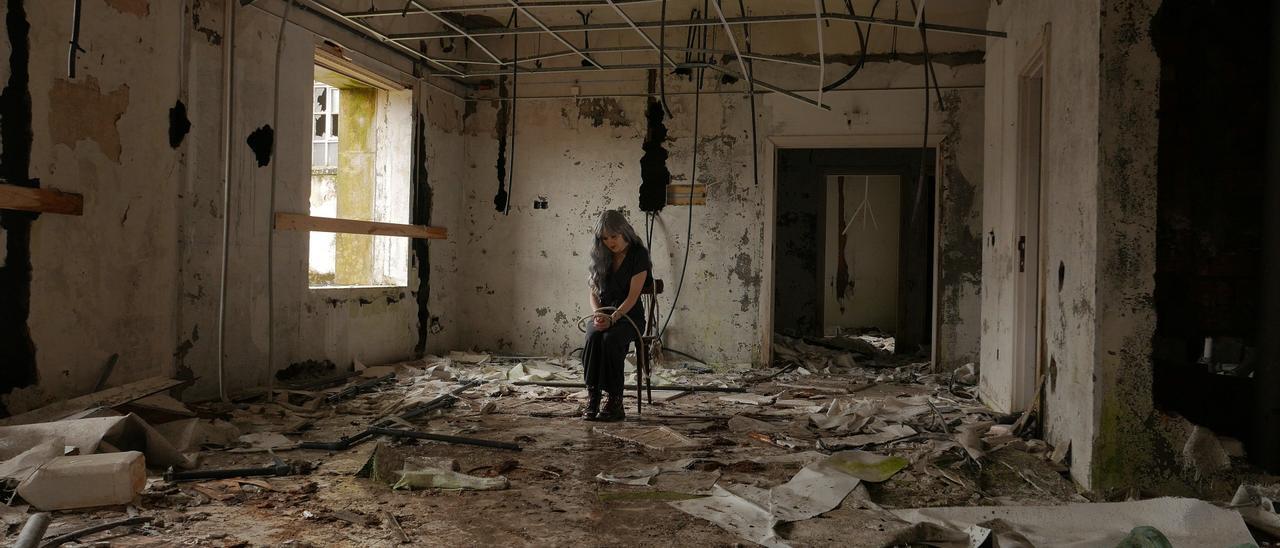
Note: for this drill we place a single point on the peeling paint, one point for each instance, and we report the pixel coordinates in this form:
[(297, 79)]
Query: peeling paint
[(211, 35), (262, 143), (179, 124), (79, 111), (603, 110)]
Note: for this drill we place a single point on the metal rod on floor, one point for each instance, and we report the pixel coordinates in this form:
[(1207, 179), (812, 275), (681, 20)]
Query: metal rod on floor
[(33, 531), (395, 432), (557, 384)]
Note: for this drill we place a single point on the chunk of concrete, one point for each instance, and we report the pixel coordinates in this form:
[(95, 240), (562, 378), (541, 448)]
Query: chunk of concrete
[(86, 481)]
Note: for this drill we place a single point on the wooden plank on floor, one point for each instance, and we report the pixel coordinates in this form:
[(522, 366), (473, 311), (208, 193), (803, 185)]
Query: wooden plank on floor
[(295, 221), (110, 397), (40, 200)]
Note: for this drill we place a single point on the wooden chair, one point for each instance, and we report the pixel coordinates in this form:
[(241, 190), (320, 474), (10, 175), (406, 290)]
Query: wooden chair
[(647, 346)]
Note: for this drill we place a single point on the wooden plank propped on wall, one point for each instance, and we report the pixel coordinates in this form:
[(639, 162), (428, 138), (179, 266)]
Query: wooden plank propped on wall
[(40, 200), (678, 194), (296, 221)]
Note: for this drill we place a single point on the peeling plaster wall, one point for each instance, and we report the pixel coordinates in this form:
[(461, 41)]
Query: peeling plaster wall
[(372, 325), (1098, 224), (1069, 222), (102, 283), (584, 157), (138, 274)]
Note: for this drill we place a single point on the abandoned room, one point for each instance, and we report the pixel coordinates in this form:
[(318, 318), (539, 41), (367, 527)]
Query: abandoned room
[(950, 273)]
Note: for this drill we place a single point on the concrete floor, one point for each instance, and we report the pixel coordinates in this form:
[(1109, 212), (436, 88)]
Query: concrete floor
[(554, 498)]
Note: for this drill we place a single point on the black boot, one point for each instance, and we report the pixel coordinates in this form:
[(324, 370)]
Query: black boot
[(612, 409), (593, 404)]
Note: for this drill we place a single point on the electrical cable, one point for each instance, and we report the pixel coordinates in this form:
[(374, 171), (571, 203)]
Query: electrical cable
[(693, 180), (75, 48), (924, 147), (751, 95), (864, 40), (515, 82), (271, 207), (662, 56)]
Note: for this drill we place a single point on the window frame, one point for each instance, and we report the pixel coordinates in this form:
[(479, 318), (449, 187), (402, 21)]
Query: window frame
[(345, 67)]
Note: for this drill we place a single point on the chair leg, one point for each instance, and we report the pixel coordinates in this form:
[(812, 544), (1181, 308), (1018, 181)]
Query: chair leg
[(640, 365)]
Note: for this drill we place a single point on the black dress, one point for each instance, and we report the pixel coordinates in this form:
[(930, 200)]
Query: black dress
[(604, 352)]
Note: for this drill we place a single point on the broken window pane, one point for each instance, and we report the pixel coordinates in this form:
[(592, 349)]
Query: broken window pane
[(320, 129), (319, 99), (333, 126)]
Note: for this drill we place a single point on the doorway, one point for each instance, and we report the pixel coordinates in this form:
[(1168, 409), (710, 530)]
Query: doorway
[(853, 244), (861, 257)]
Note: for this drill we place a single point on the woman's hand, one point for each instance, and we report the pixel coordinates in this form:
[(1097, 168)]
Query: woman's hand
[(601, 322)]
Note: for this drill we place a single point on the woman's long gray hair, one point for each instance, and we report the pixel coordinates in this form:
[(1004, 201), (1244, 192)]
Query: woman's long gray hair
[(613, 222)]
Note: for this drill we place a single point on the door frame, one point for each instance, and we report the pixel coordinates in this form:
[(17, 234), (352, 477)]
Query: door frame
[(772, 145), (1029, 345)]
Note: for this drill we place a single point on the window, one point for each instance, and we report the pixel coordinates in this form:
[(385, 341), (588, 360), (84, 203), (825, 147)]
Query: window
[(324, 142), (360, 169)]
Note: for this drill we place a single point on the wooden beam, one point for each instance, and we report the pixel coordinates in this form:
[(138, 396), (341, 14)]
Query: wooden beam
[(110, 397), (40, 200), (678, 194), (295, 221)]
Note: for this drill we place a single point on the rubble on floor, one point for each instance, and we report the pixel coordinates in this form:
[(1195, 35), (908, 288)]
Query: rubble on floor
[(839, 443)]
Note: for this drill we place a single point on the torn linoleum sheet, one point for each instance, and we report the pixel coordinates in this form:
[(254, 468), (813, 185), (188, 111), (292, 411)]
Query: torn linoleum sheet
[(816, 489), (1256, 505), (192, 434), (658, 438), (21, 466), (1185, 522), (735, 514), (97, 435), (889, 433)]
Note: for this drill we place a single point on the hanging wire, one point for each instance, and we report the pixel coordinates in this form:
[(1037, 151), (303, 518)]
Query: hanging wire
[(693, 181)]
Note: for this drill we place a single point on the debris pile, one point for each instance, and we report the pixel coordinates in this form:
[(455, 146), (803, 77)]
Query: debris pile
[(885, 450)]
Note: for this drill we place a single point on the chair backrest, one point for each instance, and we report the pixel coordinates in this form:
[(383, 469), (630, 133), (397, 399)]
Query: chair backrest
[(652, 286)]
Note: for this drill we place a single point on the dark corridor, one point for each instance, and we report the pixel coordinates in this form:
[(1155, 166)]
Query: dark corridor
[(800, 237)]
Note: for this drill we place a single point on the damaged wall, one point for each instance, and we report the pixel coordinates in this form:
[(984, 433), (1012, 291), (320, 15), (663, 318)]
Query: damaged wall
[(102, 283), (583, 155), (138, 274), (1097, 223), (372, 325)]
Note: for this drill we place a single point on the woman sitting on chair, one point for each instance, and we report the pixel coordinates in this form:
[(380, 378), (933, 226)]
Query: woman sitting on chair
[(619, 267)]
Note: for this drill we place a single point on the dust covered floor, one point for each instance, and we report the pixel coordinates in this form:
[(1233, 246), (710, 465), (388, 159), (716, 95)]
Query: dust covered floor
[(574, 483)]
